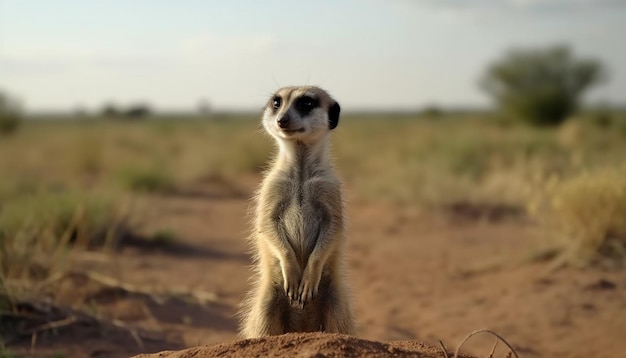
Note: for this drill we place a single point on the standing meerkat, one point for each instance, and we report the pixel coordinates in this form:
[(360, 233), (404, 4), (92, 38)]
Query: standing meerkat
[(299, 224)]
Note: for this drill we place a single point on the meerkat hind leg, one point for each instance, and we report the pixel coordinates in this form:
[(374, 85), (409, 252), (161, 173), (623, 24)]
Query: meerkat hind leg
[(270, 316), (337, 315)]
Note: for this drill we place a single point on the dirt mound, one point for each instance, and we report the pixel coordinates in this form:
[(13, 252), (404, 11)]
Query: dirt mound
[(316, 345)]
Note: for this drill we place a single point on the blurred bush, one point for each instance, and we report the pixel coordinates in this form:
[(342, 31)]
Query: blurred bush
[(110, 110), (135, 111), (542, 86), (155, 178), (10, 113), (584, 216), (432, 111), (138, 111)]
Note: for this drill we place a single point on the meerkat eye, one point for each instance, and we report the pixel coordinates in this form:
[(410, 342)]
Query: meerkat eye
[(306, 104), (276, 102)]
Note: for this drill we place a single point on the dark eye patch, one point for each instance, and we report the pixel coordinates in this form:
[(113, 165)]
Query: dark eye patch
[(276, 102), (305, 104)]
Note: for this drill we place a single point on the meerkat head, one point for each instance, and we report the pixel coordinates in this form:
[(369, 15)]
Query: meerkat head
[(300, 113)]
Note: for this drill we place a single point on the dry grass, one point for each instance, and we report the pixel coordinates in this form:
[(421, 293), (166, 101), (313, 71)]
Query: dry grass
[(434, 163), (100, 153), (37, 229), (584, 216), (64, 180), (68, 185), (398, 158)]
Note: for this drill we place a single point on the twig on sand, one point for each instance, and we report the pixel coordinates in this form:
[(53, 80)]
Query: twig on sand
[(495, 344), (67, 321), (456, 353), (443, 349), (133, 332), (199, 296)]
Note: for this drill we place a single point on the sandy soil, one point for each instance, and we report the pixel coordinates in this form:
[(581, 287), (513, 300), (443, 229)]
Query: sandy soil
[(318, 345), (415, 276)]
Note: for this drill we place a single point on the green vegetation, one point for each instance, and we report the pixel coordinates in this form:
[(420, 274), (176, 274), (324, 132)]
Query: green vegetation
[(164, 237), (38, 228), (542, 86), (153, 178), (5, 353), (10, 114)]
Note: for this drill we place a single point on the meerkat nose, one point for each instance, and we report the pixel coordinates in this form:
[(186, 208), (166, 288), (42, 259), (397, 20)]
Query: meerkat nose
[(284, 122)]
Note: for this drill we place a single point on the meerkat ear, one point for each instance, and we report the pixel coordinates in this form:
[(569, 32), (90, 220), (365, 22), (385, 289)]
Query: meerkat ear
[(333, 115)]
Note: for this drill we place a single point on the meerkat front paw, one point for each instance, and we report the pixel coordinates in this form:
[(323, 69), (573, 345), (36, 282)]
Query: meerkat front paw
[(291, 280), (309, 284)]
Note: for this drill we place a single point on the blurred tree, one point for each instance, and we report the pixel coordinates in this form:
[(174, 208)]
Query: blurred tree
[(138, 111), (432, 111), (10, 113), (110, 110), (543, 86)]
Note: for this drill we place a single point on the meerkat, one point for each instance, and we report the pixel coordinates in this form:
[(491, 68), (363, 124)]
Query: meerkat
[(298, 230)]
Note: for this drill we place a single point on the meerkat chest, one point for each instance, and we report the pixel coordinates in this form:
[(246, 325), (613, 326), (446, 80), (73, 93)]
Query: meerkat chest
[(302, 210), (304, 200)]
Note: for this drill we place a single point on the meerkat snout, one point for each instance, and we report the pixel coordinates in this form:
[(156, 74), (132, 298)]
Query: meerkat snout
[(283, 122)]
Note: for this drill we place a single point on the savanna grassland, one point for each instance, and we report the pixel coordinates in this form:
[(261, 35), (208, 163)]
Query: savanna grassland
[(122, 236)]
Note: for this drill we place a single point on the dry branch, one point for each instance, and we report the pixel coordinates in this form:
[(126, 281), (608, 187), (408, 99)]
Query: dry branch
[(458, 348)]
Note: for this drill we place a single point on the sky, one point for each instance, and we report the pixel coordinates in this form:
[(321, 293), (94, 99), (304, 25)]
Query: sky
[(369, 54)]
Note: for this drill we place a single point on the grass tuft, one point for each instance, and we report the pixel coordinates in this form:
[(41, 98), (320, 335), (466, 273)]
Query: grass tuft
[(37, 230), (5, 353), (147, 179), (584, 216), (164, 237)]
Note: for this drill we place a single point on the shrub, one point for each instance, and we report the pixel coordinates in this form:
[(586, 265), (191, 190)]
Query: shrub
[(10, 114), (432, 111), (135, 111), (138, 111), (147, 179), (110, 110), (585, 216), (541, 86), (4, 352)]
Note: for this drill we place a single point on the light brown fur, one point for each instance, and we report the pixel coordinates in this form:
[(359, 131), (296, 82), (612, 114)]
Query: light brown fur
[(299, 225)]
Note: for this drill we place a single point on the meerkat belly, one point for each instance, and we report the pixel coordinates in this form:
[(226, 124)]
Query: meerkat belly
[(303, 224)]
